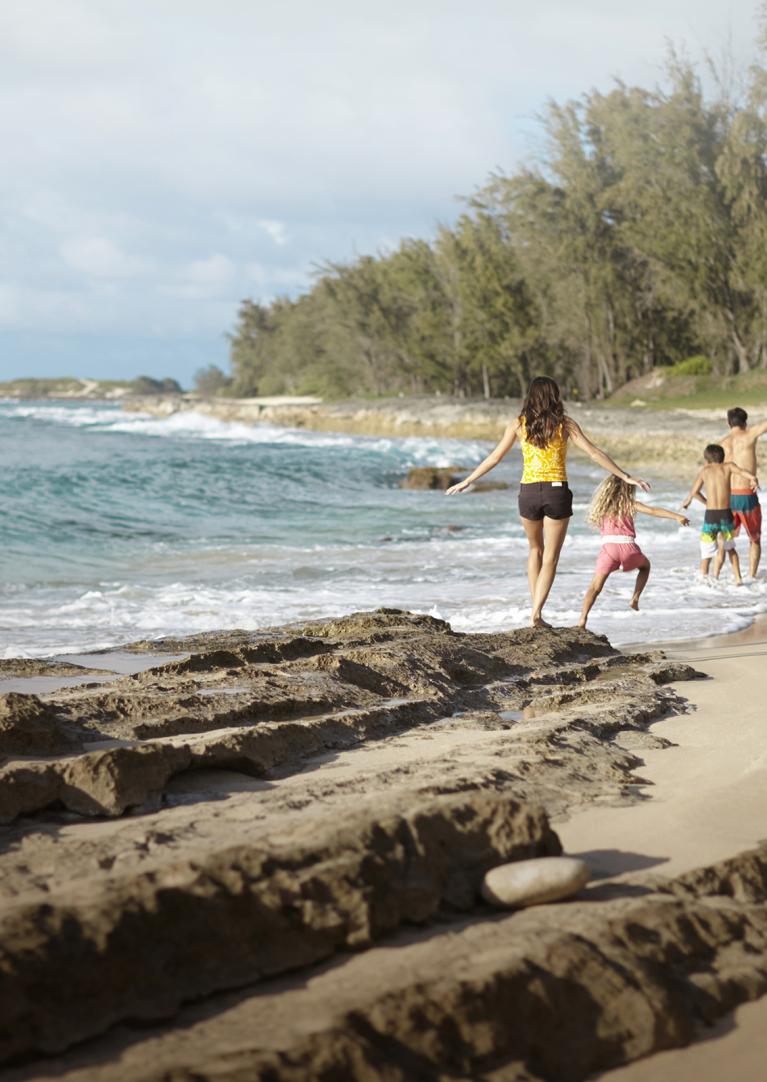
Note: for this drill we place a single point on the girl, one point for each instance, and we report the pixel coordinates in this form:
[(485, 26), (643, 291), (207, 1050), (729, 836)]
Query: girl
[(612, 510), (545, 500)]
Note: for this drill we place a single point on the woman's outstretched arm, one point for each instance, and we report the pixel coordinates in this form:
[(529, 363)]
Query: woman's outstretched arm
[(502, 448), (596, 454)]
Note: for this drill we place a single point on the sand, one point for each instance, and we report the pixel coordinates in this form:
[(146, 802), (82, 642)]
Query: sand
[(706, 799)]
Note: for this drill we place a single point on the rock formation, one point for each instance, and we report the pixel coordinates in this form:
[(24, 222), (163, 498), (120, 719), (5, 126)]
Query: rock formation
[(262, 859)]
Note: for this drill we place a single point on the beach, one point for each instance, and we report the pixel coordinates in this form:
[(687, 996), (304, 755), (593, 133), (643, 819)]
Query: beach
[(238, 847), (262, 848)]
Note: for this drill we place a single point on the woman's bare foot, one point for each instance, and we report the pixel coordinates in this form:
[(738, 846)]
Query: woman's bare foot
[(634, 604), (582, 623), (538, 621)]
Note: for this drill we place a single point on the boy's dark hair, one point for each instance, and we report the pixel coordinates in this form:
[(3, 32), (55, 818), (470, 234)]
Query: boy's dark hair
[(736, 417), (714, 453)]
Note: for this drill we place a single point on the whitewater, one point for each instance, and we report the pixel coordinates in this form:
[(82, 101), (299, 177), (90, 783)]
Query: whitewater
[(119, 527)]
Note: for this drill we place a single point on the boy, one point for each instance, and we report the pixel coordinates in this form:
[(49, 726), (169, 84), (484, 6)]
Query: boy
[(718, 524), (740, 446)]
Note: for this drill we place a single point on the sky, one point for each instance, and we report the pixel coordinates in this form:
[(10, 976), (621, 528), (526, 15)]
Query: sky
[(163, 160)]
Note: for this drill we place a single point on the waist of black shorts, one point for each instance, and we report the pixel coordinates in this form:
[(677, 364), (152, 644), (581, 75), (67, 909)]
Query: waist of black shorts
[(542, 486), (713, 515)]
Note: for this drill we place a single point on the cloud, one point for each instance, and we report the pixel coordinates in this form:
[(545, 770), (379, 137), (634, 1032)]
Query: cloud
[(276, 279), (274, 229), (203, 278), (98, 257), (160, 161)]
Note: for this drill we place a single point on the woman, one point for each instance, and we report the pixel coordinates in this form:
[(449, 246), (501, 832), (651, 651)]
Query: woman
[(545, 500)]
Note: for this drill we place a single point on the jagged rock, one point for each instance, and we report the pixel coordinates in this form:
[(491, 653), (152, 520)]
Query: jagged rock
[(270, 703), (29, 726), (433, 477), (294, 793), (542, 994), (532, 882), (137, 945)]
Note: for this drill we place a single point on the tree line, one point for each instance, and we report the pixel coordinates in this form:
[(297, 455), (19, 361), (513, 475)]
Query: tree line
[(637, 239)]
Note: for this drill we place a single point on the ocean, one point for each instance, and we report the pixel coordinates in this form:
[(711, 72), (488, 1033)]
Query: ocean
[(119, 526)]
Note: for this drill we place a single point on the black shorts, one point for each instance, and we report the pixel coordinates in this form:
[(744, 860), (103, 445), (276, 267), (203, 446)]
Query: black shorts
[(545, 498)]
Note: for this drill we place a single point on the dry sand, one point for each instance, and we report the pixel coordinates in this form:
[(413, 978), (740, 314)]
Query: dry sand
[(707, 799)]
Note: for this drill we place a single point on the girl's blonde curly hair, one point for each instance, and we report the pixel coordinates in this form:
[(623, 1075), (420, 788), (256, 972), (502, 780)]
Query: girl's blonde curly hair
[(613, 499)]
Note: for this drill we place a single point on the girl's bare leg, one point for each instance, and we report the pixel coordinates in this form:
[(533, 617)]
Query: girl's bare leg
[(704, 566), (593, 592), (534, 532), (642, 577), (554, 531)]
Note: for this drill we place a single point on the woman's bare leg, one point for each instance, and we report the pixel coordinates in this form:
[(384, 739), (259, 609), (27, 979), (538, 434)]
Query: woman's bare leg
[(642, 577), (554, 531), (534, 531), (593, 592)]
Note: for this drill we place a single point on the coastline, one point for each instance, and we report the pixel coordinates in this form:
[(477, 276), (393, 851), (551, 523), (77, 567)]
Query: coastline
[(671, 440)]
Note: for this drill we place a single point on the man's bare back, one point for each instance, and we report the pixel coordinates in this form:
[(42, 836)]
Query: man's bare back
[(740, 447)]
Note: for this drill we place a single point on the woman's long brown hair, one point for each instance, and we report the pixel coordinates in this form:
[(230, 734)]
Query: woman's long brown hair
[(542, 411)]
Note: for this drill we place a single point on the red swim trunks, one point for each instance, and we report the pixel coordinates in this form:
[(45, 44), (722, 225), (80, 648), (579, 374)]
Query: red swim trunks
[(747, 512)]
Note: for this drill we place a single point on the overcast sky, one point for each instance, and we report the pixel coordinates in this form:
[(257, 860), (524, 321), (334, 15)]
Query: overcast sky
[(162, 160)]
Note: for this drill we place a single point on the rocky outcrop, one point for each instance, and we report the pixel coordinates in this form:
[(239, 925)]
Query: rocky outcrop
[(30, 727), (266, 801), (423, 478), (554, 993), (670, 440), (443, 477), (248, 908), (270, 702)]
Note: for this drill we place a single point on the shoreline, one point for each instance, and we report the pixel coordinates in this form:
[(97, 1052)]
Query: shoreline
[(651, 439)]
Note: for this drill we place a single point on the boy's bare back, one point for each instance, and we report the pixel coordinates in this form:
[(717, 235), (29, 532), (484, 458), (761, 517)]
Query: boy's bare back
[(717, 481), (716, 478)]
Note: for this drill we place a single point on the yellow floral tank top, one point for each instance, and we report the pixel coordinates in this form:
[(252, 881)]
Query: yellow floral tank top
[(544, 463)]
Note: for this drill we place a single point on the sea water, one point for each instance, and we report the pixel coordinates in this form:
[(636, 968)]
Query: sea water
[(119, 526)]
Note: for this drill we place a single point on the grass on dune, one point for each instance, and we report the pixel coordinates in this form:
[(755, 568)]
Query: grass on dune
[(693, 392)]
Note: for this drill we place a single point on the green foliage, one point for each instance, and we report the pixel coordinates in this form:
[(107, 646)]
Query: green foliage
[(211, 381), (148, 385), (693, 366), (639, 239)]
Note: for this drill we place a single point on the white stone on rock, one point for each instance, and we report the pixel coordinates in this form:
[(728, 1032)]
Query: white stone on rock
[(532, 882)]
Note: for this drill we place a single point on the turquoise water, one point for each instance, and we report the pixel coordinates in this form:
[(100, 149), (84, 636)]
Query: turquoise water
[(120, 526)]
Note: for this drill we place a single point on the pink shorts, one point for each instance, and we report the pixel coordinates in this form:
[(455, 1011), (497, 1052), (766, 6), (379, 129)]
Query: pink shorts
[(614, 555)]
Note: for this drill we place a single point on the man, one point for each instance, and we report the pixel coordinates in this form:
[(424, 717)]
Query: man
[(740, 448)]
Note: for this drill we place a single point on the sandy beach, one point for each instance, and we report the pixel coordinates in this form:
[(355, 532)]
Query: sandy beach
[(262, 847), (707, 800)]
